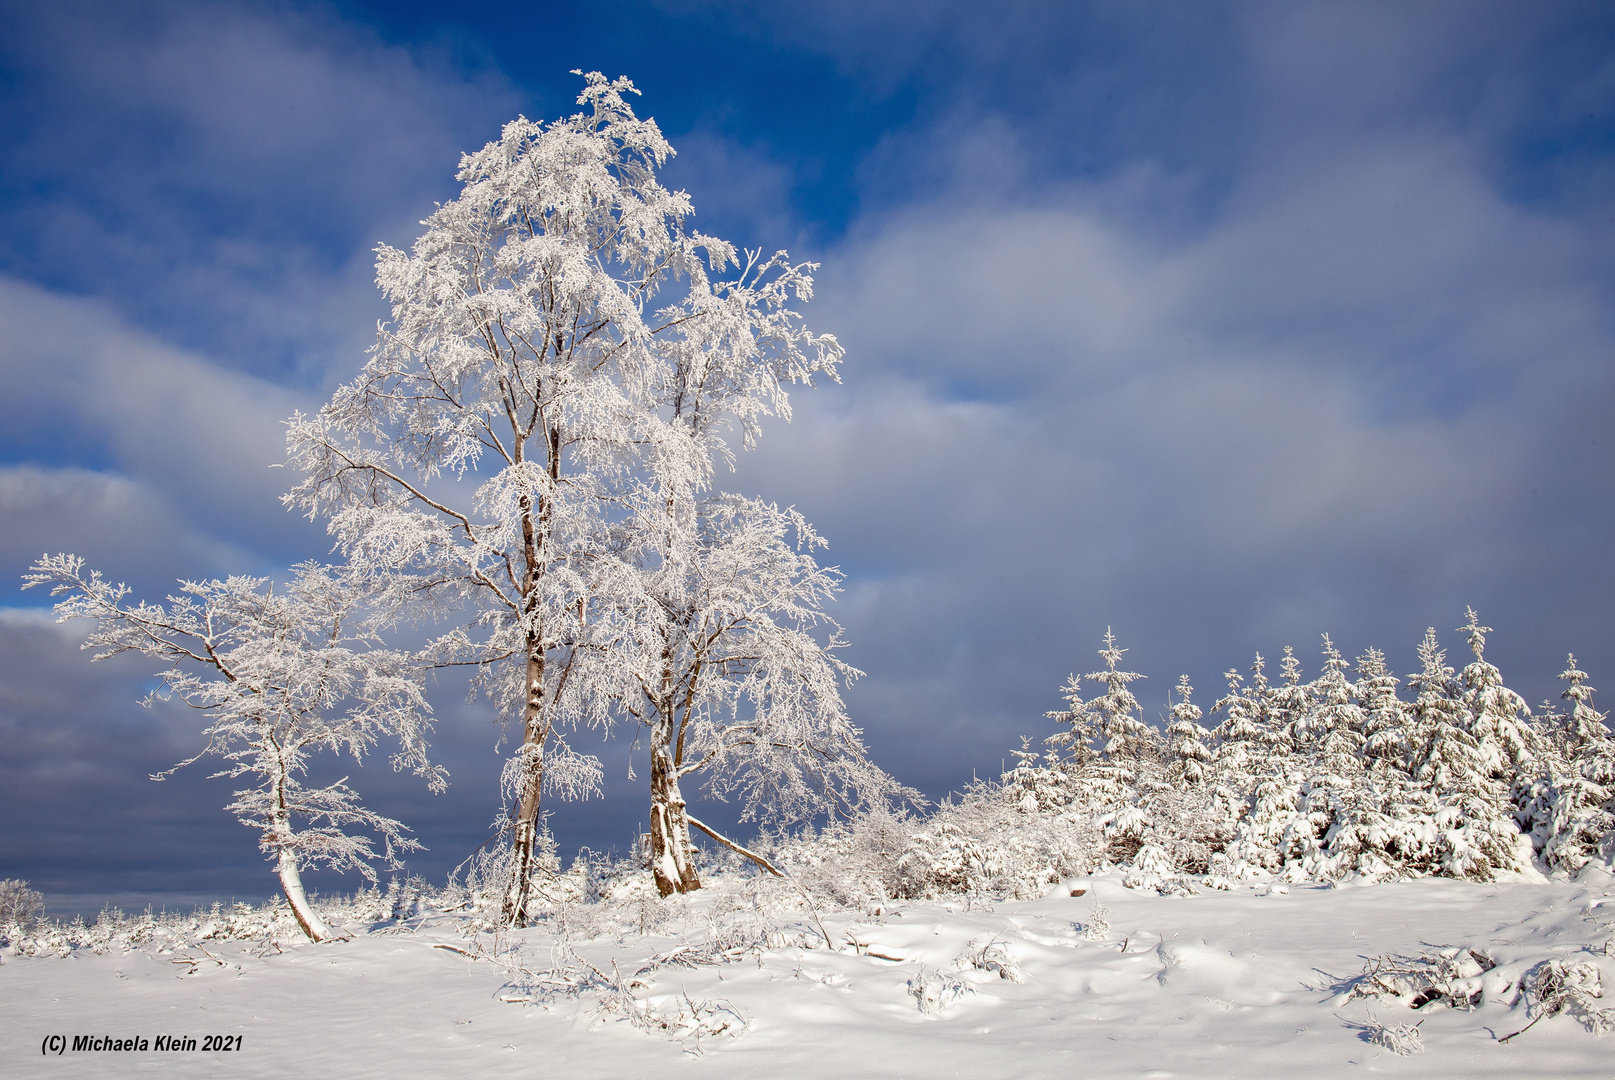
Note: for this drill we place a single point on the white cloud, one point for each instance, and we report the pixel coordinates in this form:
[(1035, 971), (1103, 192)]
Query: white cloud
[(160, 462), (1335, 407), (230, 167), (119, 526)]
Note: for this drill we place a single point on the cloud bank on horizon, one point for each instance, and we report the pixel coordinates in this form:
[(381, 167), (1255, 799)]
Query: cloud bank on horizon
[(1224, 326)]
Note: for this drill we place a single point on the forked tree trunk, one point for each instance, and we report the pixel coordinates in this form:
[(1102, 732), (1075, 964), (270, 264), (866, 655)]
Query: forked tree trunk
[(524, 831), (672, 856), (291, 883)]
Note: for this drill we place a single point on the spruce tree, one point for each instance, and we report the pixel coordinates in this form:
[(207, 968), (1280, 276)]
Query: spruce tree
[(1581, 793), (1186, 737)]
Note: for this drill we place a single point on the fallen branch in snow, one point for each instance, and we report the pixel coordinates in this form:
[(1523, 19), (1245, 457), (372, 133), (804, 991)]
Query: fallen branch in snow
[(736, 848), (194, 962), (862, 948), (1568, 986), (1450, 976)]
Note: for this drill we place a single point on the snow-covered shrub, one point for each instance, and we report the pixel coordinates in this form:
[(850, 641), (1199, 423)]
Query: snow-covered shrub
[(1567, 986), (1449, 976), (951, 860), (680, 1019), (933, 990), (20, 908), (992, 956), (1400, 1039), (1097, 926), (986, 843), (617, 996), (163, 932), (855, 863)]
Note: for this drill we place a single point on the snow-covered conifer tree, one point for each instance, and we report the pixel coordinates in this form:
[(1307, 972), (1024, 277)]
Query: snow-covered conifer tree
[(1446, 755), (1186, 737), (1335, 721), (1035, 783), (1238, 740), (1273, 828), (1581, 791), (281, 674), (1475, 832), (1289, 704), (1347, 809), (1498, 715), (1077, 746), (1108, 729), (1385, 719), (1105, 748)]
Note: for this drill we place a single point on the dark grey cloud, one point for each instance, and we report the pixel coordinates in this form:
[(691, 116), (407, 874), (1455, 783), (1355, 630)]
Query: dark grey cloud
[(75, 777)]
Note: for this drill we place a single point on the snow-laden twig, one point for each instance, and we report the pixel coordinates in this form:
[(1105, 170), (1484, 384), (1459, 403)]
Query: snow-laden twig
[(1097, 927), (1565, 986), (933, 990), (1403, 1040), (1448, 976), (993, 956)]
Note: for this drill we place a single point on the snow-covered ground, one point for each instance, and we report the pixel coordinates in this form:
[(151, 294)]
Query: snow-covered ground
[(1239, 983)]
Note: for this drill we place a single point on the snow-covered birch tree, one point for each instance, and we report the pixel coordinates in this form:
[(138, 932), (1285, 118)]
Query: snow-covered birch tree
[(730, 681), (281, 674), (734, 688), (553, 331)]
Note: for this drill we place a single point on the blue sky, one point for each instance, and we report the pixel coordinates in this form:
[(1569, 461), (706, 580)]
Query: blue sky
[(1224, 325)]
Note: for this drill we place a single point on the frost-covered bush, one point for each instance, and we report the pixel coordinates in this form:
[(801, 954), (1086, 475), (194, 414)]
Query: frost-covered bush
[(1571, 987), (987, 842), (1400, 1039), (853, 863), (271, 924), (934, 990), (20, 907), (161, 932), (1451, 976)]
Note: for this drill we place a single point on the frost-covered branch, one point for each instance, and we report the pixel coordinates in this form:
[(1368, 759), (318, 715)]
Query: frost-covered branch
[(283, 674)]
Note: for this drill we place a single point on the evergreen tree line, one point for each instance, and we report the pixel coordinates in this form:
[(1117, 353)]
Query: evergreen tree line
[(1453, 776), (1352, 773)]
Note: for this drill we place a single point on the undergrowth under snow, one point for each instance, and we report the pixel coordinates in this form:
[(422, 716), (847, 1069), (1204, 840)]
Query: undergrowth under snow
[(752, 976)]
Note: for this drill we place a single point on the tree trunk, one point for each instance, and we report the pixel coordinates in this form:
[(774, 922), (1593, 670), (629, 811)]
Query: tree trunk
[(672, 856), (524, 832), (291, 883)]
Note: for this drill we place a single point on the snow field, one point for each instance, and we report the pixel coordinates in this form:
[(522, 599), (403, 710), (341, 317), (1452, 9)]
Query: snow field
[(1248, 982)]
